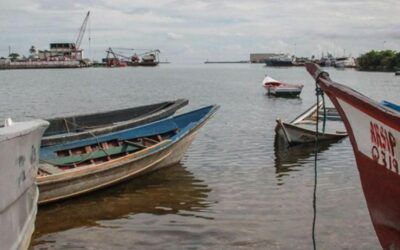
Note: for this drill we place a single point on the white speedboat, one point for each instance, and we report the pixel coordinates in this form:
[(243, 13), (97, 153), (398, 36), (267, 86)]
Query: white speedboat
[(19, 156), (277, 88)]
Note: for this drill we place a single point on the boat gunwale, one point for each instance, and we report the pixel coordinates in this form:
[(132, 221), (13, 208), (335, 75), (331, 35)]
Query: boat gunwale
[(53, 139), (388, 116), (339, 134), (161, 104), (306, 113), (80, 172)]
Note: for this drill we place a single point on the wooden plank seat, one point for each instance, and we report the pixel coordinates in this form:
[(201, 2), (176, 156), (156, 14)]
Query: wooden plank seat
[(50, 169), (95, 154)]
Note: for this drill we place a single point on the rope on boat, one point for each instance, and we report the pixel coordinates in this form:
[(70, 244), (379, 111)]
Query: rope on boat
[(90, 154), (318, 92), (77, 126), (324, 108)]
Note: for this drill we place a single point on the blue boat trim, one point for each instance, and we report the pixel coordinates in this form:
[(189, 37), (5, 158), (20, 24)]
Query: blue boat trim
[(391, 105), (181, 124)]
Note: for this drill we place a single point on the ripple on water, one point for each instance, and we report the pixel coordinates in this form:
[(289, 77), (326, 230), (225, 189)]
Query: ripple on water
[(233, 189)]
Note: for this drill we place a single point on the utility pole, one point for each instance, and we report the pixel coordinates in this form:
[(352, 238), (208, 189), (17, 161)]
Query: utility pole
[(9, 50)]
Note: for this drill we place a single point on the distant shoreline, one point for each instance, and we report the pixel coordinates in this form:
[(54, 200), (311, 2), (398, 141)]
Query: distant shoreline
[(206, 62)]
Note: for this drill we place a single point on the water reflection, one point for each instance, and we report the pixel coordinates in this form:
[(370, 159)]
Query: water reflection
[(167, 191), (288, 159)]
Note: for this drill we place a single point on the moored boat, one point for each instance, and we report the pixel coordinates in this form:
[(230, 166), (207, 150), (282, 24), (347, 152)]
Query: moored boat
[(345, 62), (277, 88), (66, 129), (82, 166), (374, 132), (280, 61), (19, 154), (302, 129)]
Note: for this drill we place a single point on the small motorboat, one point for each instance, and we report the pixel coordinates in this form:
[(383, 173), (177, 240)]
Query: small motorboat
[(277, 88), (19, 154), (70, 128), (374, 132), (302, 129), (79, 167)]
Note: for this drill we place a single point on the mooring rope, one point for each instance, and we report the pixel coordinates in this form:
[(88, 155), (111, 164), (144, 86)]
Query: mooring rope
[(318, 93), (101, 148), (324, 109)]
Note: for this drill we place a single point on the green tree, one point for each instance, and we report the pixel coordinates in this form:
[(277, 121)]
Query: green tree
[(385, 60), (14, 56)]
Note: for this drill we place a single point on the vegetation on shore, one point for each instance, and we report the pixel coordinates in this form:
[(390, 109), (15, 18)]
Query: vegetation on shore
[(384, 60)]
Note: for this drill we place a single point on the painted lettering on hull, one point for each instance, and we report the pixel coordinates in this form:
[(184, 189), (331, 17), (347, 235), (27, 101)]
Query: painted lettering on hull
[(373, 138), (383, 147)]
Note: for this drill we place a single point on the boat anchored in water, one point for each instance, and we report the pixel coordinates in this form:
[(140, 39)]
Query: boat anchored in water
[(83, 166), (277, 88), (374, 132), (19, 154), (67, 129), (280, 61), (302, 129)]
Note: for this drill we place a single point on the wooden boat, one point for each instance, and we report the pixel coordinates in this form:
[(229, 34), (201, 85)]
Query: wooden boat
[(83, 166), (302, 128), (66, 129), (277, 88), (374, 132), (19, 154)]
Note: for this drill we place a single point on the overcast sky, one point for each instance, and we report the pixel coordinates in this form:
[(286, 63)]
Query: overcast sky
[(196, 30)]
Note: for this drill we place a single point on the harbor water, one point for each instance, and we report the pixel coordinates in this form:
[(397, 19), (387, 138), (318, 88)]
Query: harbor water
[(234, 189)]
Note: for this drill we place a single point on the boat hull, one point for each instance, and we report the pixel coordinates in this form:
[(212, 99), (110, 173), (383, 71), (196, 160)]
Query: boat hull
[(295, 135), (107, 122), (289, 92), (18, 190), (277, 63), (57, 187), (374, 132)]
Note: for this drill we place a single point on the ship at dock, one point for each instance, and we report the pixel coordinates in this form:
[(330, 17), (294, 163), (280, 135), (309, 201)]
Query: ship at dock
[(59, 55), (282, 60)]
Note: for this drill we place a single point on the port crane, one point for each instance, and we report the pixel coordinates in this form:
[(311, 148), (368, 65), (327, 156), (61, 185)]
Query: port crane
[(115, 60), (149, 57), (82, 32)]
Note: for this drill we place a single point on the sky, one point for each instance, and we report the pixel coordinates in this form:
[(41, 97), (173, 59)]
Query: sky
[(199, 30)]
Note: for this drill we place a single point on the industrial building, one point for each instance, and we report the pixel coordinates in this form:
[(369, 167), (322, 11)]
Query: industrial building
[(261, 57)]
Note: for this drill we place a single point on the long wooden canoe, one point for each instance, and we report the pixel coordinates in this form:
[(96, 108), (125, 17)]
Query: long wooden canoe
[(71, 128), (302, 128), (83, 166)]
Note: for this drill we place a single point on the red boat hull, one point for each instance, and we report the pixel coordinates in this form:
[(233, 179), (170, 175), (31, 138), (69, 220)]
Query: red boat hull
[(374, 132)]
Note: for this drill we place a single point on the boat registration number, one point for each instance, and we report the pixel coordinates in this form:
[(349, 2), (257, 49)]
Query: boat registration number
[(374, 139)]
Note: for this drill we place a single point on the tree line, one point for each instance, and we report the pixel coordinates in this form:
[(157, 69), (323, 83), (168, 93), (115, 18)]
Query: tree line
[(384, 60)]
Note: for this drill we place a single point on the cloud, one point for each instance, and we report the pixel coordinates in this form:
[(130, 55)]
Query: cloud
[(174, 36), (199, 29)]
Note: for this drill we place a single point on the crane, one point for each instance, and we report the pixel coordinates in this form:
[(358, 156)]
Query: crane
[(82, 31), (115, 61)]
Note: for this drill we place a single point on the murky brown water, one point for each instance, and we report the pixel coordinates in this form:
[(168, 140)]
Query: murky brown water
[(234, 189)]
